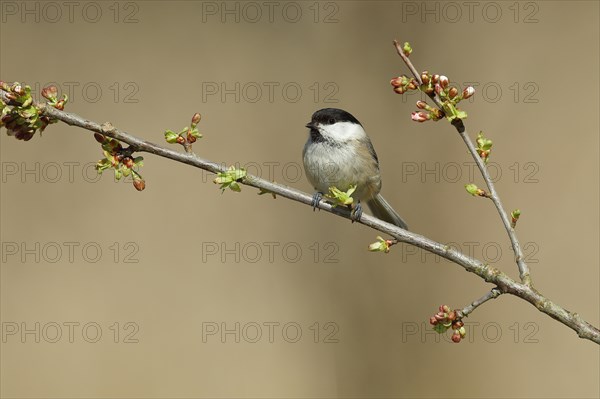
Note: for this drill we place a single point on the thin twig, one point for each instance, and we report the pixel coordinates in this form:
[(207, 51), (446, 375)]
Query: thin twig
[(493, 195), (407, 61), (492, 294), (472, 265)]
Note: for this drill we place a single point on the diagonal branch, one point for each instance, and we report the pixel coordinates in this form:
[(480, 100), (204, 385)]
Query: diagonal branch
[(493, 195), (488, 273), (460, 127)]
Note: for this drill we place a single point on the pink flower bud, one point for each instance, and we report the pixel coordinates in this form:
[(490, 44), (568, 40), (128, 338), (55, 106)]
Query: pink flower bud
[(439, 317), (399, 90), (140, 185), (396, 82), (438, 89), (50, 92), (435, 79), (456, 338), (453, 92), (99, 138), (457, 324), (128, 162), (420, 116), (195, 118), (468, 92), (444, 81), (18, 89), (421, 104)]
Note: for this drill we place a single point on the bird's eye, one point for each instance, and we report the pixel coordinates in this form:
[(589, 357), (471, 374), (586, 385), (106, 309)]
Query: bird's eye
[(331, 121)]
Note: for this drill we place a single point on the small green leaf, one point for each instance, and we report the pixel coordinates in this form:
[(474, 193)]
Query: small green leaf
[(515, 215), (229, 178), (196, 133), (380, 245), (483, 143), (472, 189), (102, 165), (171, 137), (440, 328), (339, 197), (452, 112)]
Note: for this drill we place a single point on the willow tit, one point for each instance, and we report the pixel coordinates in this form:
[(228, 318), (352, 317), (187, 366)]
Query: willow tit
[(339, 153)]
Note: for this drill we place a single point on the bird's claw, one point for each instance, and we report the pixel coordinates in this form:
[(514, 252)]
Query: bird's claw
[(316, 199), (356, 213)]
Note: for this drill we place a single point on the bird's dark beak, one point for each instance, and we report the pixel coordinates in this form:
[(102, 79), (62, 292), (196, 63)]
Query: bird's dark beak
[(311, 125)]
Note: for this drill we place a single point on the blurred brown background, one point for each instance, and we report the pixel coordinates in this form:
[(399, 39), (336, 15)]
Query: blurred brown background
[(107, 292)]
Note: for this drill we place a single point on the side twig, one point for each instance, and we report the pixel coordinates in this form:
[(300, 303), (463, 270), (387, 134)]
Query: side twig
[(492, 294), (493, 194)]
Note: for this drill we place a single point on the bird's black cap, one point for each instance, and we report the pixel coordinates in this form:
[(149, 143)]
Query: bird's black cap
[(329, 116)]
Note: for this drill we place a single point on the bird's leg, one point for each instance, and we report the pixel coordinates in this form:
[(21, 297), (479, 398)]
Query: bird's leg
[(356, 212), (316, 199)]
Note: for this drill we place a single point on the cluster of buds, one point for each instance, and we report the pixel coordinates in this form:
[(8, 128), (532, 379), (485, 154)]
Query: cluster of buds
[(435, 85), (403, 83), (445, 319), (484, 147), (381, 245), (440, 85), (50, 93), (230, 178), (186, 136), (120, 160), (20, 115), (427, 113)]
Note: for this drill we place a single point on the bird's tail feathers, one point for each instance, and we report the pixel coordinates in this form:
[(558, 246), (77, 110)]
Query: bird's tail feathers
[(384, 211)]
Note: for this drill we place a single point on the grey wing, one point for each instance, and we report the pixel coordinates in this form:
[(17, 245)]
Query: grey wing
[(372, 151)]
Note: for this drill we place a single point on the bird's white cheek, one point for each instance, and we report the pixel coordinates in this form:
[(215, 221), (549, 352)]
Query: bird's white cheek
[(343, 131)]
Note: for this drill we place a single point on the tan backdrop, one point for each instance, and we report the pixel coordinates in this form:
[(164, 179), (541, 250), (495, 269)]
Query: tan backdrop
[(180, 291)]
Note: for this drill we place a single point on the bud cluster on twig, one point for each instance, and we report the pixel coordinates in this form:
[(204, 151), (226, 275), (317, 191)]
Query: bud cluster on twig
[(382, 245), (445, 319), (476, 191), (20, 115), (230, 179), (120, 160), (186, 136), (403, 83), (514, 217), (484, 147), (434, 85)]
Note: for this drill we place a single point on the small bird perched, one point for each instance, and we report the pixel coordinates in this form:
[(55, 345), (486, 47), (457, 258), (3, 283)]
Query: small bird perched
[(339, 153)]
